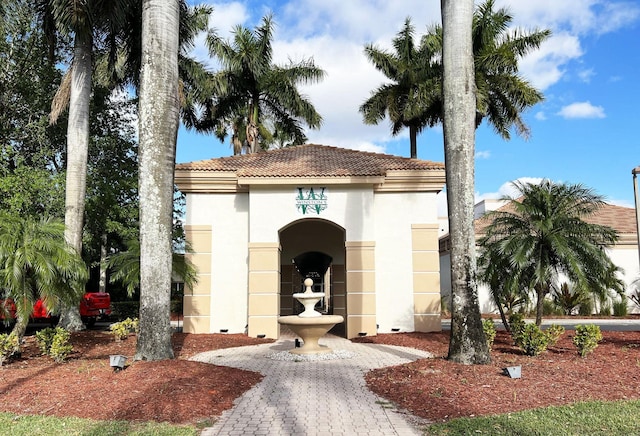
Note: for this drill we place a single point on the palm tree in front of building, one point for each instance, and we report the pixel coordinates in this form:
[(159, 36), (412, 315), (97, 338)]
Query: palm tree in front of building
[(36, 262), (546, 234), (252, 87)]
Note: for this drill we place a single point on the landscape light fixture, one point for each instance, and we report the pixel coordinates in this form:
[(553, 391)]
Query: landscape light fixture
[(513, 371), (117, 362)]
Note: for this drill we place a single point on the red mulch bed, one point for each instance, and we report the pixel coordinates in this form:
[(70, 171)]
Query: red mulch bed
[(176, 391), (439, 390), (181, 391)]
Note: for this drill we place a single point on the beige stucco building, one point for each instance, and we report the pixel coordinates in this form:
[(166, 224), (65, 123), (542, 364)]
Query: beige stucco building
[(371, 217)]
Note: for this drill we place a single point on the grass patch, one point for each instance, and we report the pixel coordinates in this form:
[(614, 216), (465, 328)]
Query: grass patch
[(592, 418), (32, 425)]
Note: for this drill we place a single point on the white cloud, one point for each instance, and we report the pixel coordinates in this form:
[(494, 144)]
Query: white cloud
[(506, 189), (540, 116), (586, 75), (484, 154), (546, 66), (582, 110)]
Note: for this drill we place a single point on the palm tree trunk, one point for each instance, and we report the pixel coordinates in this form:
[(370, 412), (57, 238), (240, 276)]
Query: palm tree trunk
[(413, 140), (19, 329), (77, 154), (503, 317), (540, 294), (159, 112), (102, 283), (467, 343)]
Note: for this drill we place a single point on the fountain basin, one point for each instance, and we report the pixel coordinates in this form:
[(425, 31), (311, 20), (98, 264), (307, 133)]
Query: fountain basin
[(310, 329), (309, 301)]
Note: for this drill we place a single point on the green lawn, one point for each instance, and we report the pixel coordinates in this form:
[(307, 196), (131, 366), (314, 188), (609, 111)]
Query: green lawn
[(589, 418), (15, 425)]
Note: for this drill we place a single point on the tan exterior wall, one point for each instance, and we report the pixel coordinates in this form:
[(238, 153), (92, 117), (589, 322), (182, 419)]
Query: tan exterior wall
[(426, 277), (338, 290), (264, 289), (360, 278), (197, 301)]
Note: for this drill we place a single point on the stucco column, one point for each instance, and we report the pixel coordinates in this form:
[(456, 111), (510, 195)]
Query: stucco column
[(426, 277), (264, 289), (197, 301), (361, 288)]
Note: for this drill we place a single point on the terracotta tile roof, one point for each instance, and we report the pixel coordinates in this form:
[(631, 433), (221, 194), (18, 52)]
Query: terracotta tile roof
[(622, 219), (311, 160)]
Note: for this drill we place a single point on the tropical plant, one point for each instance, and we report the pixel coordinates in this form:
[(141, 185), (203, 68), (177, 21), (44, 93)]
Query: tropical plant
[(467, 343), (569, 298), (412, 99), (250, 89), (505, 287), (37, 263), (545, 234), (126, 267)]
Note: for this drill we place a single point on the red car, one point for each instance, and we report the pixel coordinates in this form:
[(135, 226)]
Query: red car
[(93, 306)]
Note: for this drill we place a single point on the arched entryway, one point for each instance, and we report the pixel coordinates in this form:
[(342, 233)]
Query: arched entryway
[(311, 242)]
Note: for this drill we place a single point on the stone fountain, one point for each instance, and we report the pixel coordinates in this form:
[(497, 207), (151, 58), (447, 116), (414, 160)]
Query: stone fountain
[(310, 325)]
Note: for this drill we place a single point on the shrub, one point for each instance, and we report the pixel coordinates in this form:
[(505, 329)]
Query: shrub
[(8, 345), (532, 340), (516, 326), (60, 346), (54, 342), (489, 331), (586, 338), (605, 308), (620, 308), (553, 334), (122, 329), (549, 307), (44, 338), (586, 308), (122, 310)]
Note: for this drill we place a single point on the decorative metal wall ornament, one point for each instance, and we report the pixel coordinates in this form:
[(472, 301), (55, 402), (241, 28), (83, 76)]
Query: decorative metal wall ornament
[(311, 201)]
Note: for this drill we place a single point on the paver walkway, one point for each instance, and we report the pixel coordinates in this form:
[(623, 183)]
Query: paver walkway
[(322, 397)]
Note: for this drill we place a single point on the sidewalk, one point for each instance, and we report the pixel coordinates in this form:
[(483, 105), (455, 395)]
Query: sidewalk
[(321, 397)]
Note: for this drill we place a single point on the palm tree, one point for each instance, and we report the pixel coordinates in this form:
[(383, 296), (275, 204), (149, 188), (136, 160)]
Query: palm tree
[(252, 87), (412, 99), (505, 288), (546, 234), (501, 94), (85, 21), (36, 262), (159, 114), (467, 343), (126, 267)]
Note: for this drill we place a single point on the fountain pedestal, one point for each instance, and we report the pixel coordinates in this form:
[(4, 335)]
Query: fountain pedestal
[(310, 325)]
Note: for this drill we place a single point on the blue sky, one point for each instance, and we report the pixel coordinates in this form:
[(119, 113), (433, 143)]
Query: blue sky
[(586, 130)]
